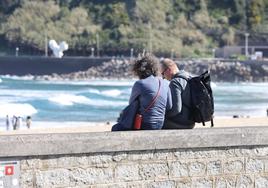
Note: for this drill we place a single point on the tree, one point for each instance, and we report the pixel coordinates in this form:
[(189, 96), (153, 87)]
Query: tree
[(255, 12), (29, 24)]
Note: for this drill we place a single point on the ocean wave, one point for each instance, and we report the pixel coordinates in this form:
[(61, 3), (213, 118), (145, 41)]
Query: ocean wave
[(115, 93), (69, 100), (213, 85), (12, 77), (18, 109), (26, 94), (111, 93), (93, 82)]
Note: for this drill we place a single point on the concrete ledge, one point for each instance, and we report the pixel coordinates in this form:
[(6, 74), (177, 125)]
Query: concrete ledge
[(74, 143)]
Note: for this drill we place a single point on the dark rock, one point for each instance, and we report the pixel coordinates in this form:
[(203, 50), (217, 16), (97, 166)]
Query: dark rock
[(221, 71)]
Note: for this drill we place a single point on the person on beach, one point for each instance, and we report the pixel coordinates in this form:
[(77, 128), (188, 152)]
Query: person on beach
[(150, 88), (15, 122), (28, 122), (178, 116), (7, 123), (19, 122), (147, 69)]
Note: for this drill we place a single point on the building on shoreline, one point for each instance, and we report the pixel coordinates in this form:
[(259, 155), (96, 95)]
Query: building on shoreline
[(231, 51)]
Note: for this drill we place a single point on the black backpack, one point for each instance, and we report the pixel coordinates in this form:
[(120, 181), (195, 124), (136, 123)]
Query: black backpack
[(202, 102)]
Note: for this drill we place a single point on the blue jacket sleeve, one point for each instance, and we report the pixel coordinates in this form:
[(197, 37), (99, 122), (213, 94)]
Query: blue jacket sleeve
[(136, 91)]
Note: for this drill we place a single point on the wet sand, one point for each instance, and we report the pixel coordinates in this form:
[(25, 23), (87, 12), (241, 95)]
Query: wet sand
[(80, 127)]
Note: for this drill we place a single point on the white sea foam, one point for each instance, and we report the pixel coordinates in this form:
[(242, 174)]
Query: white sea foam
[(95, 91), (111, 93), (108, 93), (68, 100), (30, 77), (18, 109), (213, 84), (24, 94), (93, 82)]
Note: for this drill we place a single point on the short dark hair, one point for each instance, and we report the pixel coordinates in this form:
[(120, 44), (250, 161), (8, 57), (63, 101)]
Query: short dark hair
[(146, 66)]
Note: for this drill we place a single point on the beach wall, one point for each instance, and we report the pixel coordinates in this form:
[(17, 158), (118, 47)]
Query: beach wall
[(213, 157), (38, 65)]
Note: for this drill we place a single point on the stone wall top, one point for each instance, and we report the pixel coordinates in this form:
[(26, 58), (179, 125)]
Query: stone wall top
[(74, 143)]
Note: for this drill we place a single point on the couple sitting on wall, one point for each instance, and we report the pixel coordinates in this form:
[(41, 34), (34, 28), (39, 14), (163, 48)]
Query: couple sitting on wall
[(156, 101)]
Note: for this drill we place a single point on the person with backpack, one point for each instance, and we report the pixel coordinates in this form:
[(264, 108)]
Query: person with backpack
[(192, 97), (150, 94), (178, 116)]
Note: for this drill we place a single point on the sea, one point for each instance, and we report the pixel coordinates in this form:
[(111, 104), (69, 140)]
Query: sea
[(102, 100)]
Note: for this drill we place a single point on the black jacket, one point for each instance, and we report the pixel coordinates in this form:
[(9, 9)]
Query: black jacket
[(178, 116)]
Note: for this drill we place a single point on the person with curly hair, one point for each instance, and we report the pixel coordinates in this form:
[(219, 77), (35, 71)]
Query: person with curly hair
[(148, 87)]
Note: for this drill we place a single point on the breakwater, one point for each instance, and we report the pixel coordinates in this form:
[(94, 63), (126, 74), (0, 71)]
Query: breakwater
[(221, 71), (83, 68), (213, 157)]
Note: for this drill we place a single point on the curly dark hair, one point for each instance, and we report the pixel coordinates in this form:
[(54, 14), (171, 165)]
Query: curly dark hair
[(146, 66)]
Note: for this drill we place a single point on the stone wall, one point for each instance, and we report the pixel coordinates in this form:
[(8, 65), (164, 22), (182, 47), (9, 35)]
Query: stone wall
[(216, 157)]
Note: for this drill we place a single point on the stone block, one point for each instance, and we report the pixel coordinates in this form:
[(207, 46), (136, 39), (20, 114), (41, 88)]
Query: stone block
[(119, 156), (127, 172), (225, 182), (53, 178), (141, 156), (27, 179), (184, 183), (161, 184), (49, 163), (234, 166), (153, 171), (265, 161), (226, 152), (197, 168), (202, 182), (214, 167), (254, 165), (246, 181), (179, 169), (90, 176), (100, 160), (66, 161), (253, 151), (28, 164), (205, 153), (164, 155), (261, 181), (260, 151), (119, 185)]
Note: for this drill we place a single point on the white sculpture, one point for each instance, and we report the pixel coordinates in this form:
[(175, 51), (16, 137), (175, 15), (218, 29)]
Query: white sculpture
[(58, 49)]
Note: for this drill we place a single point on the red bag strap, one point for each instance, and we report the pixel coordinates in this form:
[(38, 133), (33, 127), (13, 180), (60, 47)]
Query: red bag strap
[(154, 99)]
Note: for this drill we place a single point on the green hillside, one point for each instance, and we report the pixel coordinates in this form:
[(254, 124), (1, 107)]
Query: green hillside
[(186, 27)]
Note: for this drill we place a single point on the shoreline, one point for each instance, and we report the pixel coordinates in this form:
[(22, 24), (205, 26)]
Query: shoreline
[(81, 127)]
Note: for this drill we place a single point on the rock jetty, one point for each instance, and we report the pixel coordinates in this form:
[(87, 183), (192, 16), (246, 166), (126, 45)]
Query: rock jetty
[(221, 70)]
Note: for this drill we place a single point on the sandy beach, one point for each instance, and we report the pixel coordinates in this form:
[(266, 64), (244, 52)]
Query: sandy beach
[(75, 127)]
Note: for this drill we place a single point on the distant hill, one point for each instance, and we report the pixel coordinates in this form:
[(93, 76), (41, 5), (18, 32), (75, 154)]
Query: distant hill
[(181, 27)]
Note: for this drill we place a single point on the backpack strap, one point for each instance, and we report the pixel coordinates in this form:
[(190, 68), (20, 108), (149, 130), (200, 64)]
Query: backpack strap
[(154, 99)]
